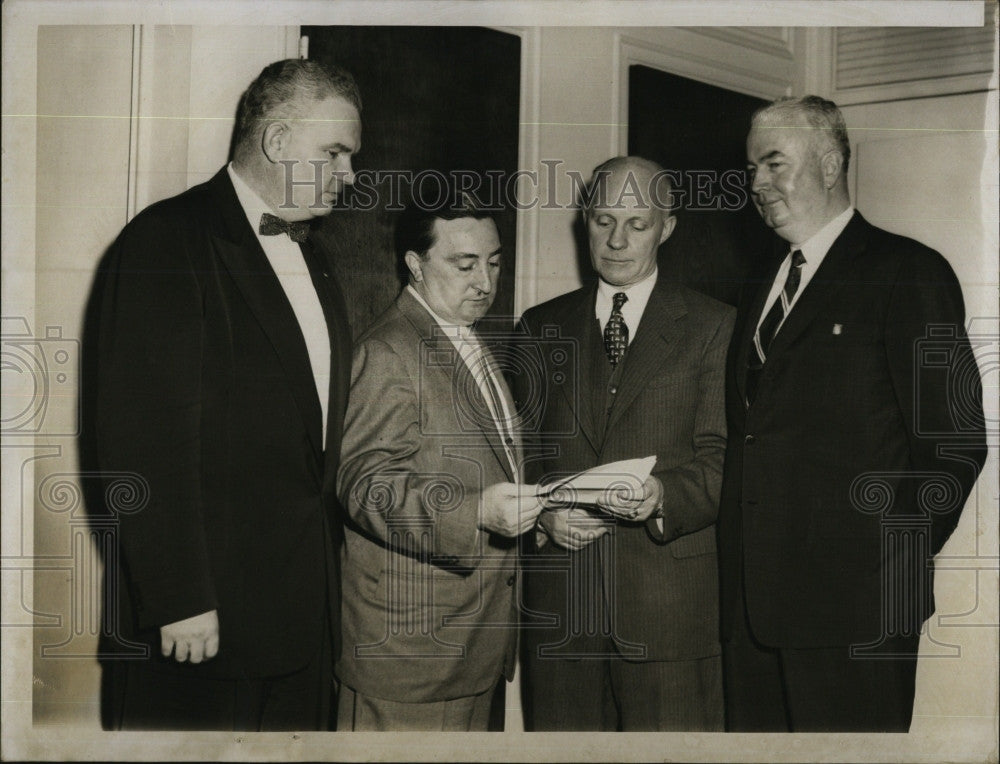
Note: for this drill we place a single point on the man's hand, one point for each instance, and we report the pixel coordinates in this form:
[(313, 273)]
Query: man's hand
[(637, 509), (573, 528), (509, 509), (195, 639)]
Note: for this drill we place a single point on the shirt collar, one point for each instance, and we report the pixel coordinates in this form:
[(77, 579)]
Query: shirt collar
[(450, 329), (638, 296), (637, 292), (249, 199), (814, 248)]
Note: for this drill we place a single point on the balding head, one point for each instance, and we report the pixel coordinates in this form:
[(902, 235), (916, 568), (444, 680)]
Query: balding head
[(628, 176), (627, 212)]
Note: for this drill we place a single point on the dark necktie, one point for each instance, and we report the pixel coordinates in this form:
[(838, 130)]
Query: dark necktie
[(769, 326), (272, 225), (616, 331)]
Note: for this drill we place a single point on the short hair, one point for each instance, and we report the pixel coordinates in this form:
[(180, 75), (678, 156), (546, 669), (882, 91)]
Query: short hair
[(280, 89), (660, 192), (415, 225), (822, 115)]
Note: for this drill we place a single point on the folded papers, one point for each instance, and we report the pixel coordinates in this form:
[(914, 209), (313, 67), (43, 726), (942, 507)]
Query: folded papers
[(623, 479)]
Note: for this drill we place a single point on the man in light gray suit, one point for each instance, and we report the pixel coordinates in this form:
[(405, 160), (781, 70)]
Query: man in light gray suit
[(430, 479), (623, 633)]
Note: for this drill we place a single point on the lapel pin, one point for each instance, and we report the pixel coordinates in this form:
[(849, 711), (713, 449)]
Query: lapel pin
[(838, 328)]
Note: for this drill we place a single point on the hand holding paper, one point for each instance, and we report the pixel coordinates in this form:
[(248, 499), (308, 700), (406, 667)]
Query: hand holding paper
[(574, 529), (636, 509), (623, 488)]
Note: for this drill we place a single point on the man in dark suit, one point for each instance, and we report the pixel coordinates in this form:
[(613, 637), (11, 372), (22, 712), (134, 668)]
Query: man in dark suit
[(222, 382), (621, 598), (854, 407), (430, 480)]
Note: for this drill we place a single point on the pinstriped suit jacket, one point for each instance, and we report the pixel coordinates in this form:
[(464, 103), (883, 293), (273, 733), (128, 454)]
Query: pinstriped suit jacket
[(428, 597), (658, 588)]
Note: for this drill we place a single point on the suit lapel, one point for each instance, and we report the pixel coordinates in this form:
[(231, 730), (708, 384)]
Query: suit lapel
[(244, 259), (656, 340), (339, 330), (753, 314), (834, 272), (515, 425), (580, 326), (476, 405), (471, 408)]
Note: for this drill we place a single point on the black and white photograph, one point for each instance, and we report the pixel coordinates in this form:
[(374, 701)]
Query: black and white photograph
[(559, 370)]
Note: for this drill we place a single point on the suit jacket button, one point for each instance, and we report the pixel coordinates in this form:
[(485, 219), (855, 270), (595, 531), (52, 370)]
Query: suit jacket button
[(614, 390), (510, 581), (749, 439), (509, 441)]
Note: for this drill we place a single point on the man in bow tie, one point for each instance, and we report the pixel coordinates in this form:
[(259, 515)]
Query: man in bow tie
[(856, 433), (224, 360), (622, 603)]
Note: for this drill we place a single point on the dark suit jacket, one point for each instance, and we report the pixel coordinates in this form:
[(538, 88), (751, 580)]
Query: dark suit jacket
[(858, 411), (429, 606), (669, 403), (206, 392)]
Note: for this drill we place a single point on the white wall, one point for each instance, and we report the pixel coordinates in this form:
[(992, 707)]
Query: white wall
[(125, 116), (927, 169)]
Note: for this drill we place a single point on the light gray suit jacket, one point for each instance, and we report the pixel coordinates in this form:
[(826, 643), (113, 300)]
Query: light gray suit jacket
[(429, 606)]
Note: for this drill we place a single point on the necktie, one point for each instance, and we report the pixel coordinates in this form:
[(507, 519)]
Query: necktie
[(769, 326), (489, 384), (616, 331), (272, 225)]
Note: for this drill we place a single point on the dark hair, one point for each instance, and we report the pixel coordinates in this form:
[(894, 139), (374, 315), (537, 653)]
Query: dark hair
[(415, 224), (280, 89), (821, 114)]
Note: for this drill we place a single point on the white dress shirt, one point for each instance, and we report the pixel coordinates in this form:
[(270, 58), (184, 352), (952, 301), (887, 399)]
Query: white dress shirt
[(477, 361), (638, 296), (289, 266), (814, 249)]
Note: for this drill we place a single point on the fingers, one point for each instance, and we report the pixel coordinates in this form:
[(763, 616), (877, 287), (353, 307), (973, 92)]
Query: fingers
[(181, 651), (195, 639), (166, 643), (578, 538), (574, 529), (195, 651), (211, 646), (529, 510), (517, 489)]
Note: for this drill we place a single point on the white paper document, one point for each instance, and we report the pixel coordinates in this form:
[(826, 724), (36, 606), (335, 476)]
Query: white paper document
[(624, 478)]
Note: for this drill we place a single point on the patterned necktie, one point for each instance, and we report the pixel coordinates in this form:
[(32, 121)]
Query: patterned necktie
[(616, 331), (769, 326), (272, 225)]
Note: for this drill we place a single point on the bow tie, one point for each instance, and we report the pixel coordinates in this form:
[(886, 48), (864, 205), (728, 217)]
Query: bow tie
[(272, 225)]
